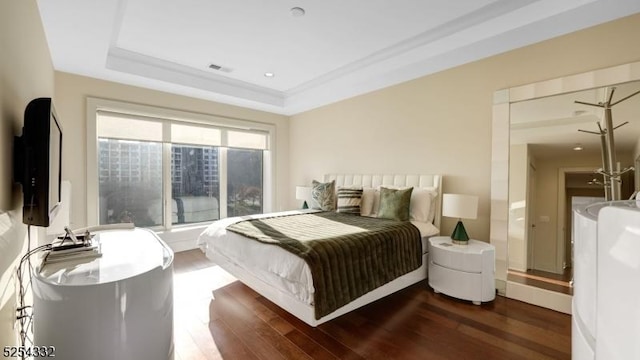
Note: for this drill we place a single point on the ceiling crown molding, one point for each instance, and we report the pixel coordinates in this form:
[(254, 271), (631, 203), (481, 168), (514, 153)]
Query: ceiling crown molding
[(130, 62)]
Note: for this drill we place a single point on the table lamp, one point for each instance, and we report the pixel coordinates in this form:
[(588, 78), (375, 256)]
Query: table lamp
[(461, 207), (303, 193)]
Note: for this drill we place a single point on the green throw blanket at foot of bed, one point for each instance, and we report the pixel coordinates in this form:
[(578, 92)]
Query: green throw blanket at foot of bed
[(348, 255)]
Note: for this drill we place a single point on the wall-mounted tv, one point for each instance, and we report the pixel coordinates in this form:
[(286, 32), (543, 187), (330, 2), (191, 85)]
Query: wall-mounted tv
[(38, 162)]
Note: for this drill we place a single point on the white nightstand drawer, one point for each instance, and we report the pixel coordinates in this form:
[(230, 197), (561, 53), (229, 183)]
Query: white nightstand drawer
[(467, 286), (462, 271), (469, 262)]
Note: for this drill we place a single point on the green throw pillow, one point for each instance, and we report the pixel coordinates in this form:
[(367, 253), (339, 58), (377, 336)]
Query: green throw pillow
[(394, 204)]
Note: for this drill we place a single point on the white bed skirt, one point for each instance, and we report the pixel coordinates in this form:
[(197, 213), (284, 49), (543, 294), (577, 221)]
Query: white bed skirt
[(306, 312)]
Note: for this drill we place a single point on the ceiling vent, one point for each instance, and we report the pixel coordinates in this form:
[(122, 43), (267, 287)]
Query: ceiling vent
[(220, 68)]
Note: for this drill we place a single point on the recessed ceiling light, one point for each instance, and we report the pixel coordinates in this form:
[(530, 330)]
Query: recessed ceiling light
[(297, 11), (578, 147), (269, 74)]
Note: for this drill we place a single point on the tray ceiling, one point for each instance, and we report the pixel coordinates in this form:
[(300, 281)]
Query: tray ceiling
[(338, 49)]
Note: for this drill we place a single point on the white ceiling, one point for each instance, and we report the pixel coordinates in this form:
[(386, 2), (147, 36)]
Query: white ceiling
[(339, 49)]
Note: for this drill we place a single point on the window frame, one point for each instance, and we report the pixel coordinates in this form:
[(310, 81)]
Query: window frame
[(167, 117)]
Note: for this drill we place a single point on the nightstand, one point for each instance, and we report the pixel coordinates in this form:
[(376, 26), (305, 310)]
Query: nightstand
[(463, 271)]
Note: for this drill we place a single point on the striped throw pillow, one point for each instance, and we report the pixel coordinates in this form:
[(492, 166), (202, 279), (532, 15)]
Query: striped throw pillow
[(349, 200)]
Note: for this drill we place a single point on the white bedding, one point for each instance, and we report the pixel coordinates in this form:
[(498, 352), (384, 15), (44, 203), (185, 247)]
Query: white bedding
[(270, 263)]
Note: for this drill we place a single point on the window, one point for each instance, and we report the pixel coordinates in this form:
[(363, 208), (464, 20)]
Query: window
[(244, 185), (195, 195), (127, 195), (160, 172)]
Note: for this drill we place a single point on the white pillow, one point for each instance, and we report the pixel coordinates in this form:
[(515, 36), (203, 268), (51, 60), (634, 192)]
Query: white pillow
[(368, 198), (434, 199), (375, 203), (421, 205)]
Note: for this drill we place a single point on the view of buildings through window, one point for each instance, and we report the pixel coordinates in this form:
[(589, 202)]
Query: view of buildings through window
[(131, 178), (130, 182), (244, 182), (195, 186)]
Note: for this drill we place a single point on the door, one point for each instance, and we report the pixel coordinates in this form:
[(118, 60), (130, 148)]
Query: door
[(531, 216)]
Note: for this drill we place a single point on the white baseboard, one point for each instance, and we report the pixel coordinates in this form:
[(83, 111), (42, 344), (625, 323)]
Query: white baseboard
[(184, 245), (540, 297), (182, 239)]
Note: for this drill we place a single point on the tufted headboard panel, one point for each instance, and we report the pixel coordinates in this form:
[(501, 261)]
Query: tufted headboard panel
[(417, 181)]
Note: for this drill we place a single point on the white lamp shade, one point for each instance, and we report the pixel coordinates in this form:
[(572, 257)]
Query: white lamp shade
[(460, 206), (303, 193)]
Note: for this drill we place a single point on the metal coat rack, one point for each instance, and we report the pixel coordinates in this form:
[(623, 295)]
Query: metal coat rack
[(610, 168)]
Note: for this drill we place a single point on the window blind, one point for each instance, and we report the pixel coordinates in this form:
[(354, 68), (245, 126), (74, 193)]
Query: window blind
[(142, 128), (116, 127)]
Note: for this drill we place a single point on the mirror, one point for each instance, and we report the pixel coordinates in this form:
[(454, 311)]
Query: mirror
[(554, 155), (500, 174)]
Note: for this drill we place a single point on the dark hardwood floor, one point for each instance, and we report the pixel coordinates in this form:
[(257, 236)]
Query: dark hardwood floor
[(217, 317)]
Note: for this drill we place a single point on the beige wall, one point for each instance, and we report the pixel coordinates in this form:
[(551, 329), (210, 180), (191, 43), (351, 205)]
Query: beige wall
[(441, 123), (26, 73), (71, 98)]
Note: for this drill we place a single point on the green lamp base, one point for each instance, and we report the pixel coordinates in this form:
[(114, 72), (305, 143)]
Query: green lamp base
[(459, 235), (305, 206)]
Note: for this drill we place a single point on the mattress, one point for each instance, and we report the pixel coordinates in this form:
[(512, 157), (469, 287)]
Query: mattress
[(272, 264)]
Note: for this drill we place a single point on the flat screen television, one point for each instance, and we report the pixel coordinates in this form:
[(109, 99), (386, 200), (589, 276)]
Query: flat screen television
[(38, 162)]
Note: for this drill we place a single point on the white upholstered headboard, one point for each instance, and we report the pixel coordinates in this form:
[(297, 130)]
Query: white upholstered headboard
[(418, 181)]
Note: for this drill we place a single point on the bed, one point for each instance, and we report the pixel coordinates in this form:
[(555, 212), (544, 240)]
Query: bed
[(285, 278)]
